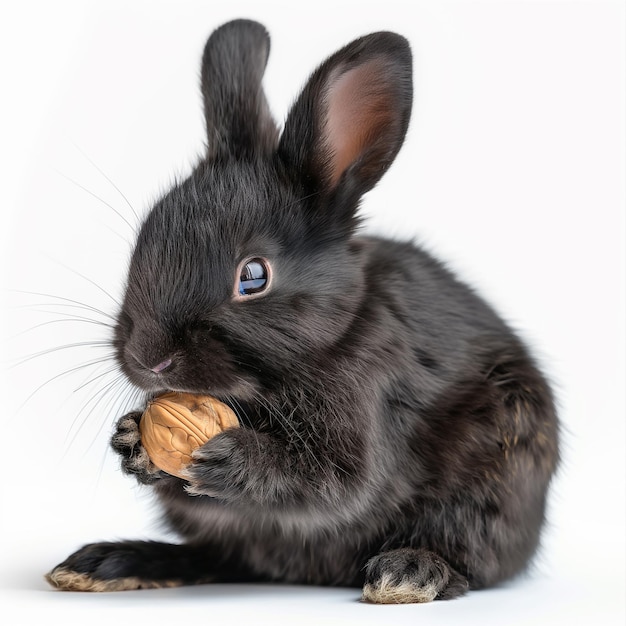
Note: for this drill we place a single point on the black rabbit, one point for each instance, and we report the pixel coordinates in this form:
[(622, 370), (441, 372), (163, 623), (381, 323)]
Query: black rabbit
[(396, 434)]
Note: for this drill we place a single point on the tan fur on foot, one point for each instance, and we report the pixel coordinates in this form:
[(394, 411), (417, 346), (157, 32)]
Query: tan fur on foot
[(67, 580), (388, 592)]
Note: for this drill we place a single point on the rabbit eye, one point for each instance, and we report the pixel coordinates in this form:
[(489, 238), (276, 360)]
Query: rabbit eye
[(254, 277)]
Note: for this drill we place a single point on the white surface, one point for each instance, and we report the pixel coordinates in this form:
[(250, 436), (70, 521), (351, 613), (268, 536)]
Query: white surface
[(513, 170)]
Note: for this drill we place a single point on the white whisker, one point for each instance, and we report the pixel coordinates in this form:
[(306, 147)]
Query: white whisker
[(96, 378), (69, 318), (57, 377), (68, 346), (63, 302), (97, 197), (95, 401), (130, 206), (91, 282)]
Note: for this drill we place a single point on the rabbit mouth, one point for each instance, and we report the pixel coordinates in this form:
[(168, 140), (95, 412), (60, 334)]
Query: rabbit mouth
[(157, 369), (196, 361), (174, 373)]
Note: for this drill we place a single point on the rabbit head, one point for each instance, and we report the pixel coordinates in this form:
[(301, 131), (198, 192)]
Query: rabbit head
[(246, 272)]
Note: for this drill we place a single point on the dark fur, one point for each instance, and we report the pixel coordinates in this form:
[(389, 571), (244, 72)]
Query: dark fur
[(396, 433)]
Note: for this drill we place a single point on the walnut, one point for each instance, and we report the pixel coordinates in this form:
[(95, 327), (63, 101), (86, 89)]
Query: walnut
[(175, 424)]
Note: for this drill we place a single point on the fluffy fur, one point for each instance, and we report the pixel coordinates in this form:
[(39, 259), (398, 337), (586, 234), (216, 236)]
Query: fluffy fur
[(396, 434)]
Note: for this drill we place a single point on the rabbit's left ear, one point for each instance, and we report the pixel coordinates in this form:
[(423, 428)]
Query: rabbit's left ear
[(350, 120), (238, 119)]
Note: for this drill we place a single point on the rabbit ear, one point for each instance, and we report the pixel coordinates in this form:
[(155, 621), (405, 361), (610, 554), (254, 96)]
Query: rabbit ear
[(238, 118), (350, 120)]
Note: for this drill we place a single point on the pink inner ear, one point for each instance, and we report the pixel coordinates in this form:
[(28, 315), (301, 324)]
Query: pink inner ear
[(360, 107)]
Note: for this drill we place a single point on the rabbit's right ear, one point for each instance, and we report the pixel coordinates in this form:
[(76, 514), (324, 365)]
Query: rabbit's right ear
[(349, 122), (238, 119)]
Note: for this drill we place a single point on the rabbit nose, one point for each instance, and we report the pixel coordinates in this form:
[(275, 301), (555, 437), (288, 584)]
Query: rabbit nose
[(157, 369)]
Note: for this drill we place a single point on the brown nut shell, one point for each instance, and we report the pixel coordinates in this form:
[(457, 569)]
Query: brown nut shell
[(175, 424)]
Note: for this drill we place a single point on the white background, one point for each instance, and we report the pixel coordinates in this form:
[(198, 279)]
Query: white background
[(513, 171)]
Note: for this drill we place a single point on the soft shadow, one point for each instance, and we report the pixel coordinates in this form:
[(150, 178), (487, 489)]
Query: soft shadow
[(29, 580)]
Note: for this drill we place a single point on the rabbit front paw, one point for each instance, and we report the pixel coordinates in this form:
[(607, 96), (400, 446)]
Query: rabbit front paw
[(221, 468), (126, 441)]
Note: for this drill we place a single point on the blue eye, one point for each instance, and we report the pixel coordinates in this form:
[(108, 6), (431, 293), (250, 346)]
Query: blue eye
[(253, 277)]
